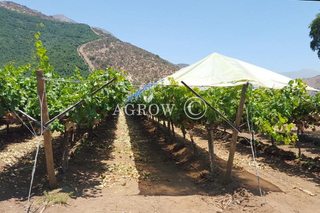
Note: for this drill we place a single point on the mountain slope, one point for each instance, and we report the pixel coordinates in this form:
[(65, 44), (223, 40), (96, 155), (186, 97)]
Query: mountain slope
[(305, 73), (100, 31), (63, 18), (60, 38), (182, 65), (313, 82), (70, 45), (23, 9), (142, 66)]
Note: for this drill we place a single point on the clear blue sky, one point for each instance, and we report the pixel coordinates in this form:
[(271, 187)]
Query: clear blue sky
[(273, 34)]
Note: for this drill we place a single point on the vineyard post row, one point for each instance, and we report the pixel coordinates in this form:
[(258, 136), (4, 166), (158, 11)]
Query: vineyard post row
[(46, 134), (235, 132), (269, 111), (46, 121)]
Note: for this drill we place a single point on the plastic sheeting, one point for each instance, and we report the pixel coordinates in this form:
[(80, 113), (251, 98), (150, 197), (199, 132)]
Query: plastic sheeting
[(222, 71)]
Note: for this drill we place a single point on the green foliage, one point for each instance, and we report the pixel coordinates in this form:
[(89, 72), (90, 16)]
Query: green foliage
[(57, 197), (18, 90), (273, 112), (224, 99), (96, 107), (12, 90), (60, 38), (315, 34)]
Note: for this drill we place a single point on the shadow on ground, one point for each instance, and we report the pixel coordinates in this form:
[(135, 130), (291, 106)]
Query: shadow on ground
[(275, 157), (17, 134), (84, 170), (167, 165), (284, 161)]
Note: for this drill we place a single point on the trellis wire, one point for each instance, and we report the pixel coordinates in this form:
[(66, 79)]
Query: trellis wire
[(60, 80), (32, 132), (37, 151), (253, 152)]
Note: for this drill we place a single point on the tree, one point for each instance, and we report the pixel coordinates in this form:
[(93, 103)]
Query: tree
[(315, 34)]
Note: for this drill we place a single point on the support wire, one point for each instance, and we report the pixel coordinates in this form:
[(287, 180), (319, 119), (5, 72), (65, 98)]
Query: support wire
[(36, 155), (251, 131)]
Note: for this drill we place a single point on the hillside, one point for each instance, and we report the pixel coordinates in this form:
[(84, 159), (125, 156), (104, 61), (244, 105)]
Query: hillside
[(304, 73), (101, 31), (69, 44), (63, 18), (25, 10), (142, 66), (182, 65), (60, 38), (313, 82)]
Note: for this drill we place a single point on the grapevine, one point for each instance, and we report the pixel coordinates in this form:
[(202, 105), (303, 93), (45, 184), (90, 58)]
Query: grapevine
[(18, 91), (274, 112)]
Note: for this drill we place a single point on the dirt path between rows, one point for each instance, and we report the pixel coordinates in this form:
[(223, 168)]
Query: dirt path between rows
[(133, 165), (140, 179), (124, 174)]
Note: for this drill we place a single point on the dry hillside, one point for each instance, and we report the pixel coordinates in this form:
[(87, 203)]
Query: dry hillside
[(142, 66), (313, 82), (23, 9)]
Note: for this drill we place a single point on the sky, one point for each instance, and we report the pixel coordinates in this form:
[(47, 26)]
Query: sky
[(273, 34)]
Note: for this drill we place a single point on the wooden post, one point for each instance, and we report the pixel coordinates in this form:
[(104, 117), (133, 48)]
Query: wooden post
[(184, 133), (235, 134), (298, 142), (73, 136), (211, 147), (172, 129), (47, 134), (194, 147), (65, 152), (169, 131), (8, 126), (272, 141)]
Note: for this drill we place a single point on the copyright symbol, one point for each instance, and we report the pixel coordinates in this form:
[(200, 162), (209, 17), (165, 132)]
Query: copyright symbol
[(195, 108)]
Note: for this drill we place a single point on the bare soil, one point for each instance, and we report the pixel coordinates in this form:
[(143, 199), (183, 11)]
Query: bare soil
[(134, 165)]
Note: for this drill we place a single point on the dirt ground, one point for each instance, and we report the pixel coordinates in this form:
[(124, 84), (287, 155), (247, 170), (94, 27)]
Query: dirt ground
[(133, 165)]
